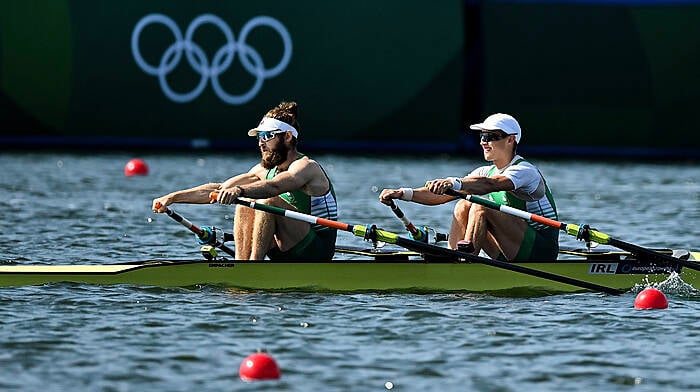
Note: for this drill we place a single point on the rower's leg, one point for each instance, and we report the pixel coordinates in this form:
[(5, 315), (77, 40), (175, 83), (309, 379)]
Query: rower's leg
[(288, 232), (243, 231), (478, 232), (460, 217), (263, 231), (273, 230), (495, 232)]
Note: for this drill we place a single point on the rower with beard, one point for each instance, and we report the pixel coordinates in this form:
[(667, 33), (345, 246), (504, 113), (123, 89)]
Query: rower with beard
[(284, 178)]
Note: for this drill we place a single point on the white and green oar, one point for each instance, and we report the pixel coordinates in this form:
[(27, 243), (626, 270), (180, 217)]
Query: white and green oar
[(371, 233), (579, 231)]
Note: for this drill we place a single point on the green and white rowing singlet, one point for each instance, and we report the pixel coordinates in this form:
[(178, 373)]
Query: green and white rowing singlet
[(324, 206)]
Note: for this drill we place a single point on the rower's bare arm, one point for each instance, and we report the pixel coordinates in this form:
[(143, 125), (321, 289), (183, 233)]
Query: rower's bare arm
[(255, 174), (477, 185), (303, 174), (424, 196), (418, 195), (195, 195), (201, 194)]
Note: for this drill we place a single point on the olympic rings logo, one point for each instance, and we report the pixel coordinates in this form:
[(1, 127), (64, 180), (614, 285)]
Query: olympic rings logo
[(250, 59)]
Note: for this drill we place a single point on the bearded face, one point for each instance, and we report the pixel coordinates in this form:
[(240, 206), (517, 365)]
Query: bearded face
[(274, 155)]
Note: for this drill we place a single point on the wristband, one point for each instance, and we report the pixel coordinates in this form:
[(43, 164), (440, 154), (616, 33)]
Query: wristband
[(407, 194), (456, 183)]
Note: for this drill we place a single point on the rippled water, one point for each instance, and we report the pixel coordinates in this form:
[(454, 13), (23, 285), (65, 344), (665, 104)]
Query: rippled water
[(68, 208)]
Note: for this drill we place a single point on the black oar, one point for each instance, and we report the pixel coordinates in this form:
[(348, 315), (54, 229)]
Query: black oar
[(206, 236), (371, 233), (582, 232), (416, 233)]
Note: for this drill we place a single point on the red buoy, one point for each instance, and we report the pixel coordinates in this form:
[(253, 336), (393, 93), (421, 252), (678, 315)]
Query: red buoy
[(136, 167), (259, 366), (650, 298)]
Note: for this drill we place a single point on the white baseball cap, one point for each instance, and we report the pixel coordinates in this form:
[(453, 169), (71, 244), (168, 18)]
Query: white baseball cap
[(271, 124), (500, 121)]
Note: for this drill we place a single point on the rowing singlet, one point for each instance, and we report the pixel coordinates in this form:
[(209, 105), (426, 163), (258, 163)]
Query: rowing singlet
[(321, 206), (536, 199)]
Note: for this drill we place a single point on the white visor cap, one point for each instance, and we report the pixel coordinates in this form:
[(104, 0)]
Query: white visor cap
[(270, 124)]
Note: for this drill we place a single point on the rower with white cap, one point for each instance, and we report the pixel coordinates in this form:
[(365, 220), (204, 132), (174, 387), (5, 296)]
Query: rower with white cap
[(510, 180)]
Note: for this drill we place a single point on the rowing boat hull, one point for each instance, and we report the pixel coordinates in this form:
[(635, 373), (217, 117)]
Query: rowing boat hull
[(350, 275)]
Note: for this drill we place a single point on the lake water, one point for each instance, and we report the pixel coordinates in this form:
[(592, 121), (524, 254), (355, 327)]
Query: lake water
[(80, 208)]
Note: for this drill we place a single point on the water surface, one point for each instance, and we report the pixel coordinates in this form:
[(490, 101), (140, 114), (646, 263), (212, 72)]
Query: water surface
[(80, 208)]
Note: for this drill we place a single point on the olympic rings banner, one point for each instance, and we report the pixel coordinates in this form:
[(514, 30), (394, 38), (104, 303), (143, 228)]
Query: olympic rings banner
[(583, 77), (249, 57), (173, 69)]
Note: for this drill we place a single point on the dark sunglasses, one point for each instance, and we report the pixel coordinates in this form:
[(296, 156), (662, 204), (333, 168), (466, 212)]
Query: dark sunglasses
[(266, 136), (492, 136)]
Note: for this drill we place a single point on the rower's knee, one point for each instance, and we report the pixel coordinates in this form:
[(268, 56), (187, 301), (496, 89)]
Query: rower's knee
[(461, 210), (478, 212), (243, 215)]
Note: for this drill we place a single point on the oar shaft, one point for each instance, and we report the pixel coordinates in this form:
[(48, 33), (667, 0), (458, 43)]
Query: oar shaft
[(295, 215), (196, 230), (569, 228), (575, 230), (422, 247), (183, 221), (402, 217), (392, 238), (415, 233), (508, 210), (289, 213)]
